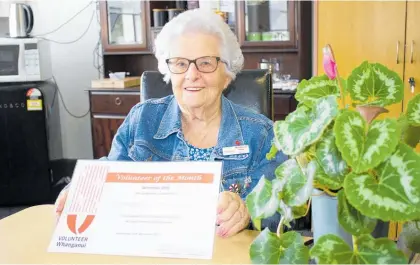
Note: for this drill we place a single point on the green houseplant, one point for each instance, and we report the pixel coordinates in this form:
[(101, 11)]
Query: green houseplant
[(367, 161)]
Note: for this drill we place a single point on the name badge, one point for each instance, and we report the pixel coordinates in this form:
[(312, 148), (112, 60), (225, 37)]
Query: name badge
[(235, 150)]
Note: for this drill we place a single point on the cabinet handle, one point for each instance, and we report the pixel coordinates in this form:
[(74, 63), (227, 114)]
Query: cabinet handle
[(398, 51), (412, 83), (118, 101), (412, 52)]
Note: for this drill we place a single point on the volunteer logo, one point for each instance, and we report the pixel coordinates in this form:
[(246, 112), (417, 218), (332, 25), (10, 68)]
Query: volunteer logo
[(72, 220)]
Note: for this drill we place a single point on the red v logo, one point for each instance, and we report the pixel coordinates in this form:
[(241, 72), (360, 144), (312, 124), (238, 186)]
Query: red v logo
[(71, 223)]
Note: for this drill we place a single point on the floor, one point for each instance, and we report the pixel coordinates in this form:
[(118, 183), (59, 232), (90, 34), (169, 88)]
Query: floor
[(6, 211)]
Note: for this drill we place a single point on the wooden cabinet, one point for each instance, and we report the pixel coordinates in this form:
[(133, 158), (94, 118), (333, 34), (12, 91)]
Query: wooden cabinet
[(381, 31), (284, 103), (104, 128), (287, 38), (128, 26), (108, 110), (268, 29), (412, 51), (378, 31)]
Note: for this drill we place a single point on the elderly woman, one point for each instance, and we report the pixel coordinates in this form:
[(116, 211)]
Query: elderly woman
[(200, 55)]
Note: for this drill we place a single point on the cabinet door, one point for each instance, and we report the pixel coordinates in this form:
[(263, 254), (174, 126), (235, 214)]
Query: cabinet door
[(284, 104), (123, 26), (269, 24), (359, 31), (104, 128), (412, 58)]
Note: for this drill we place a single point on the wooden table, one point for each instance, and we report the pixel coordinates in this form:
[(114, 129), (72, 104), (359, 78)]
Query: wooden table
[(25, 236)]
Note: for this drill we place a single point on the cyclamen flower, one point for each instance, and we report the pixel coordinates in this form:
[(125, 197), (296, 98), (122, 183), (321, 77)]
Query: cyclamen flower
[(330, 67)]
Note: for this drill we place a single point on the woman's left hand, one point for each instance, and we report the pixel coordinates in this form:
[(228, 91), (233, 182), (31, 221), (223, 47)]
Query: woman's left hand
[(232, 214)]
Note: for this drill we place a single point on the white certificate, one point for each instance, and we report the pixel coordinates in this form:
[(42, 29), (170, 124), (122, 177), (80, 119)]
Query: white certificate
[(151, 209)]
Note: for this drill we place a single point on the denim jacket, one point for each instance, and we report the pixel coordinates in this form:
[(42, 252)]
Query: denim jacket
[(152, 132)]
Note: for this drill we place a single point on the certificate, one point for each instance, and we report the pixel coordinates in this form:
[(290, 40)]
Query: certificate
[(151, 209)]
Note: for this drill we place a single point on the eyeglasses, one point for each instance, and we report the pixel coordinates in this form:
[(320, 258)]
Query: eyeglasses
[(206, 64)]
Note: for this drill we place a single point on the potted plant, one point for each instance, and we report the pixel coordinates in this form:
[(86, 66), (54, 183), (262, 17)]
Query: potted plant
[(366, 161)]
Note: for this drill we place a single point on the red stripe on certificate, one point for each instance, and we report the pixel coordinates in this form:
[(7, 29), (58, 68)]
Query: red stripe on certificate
[(160, 177)]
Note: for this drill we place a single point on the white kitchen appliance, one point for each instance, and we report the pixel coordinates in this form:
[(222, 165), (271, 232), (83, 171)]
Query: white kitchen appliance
[(24, 59), (21, 20)]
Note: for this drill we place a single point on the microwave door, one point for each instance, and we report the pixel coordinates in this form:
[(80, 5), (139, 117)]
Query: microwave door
[(10, 63)]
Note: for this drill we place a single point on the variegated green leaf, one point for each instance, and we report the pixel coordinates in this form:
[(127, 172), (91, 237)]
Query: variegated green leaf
[(290, 173), (331, 249), (413, 111), (286, 213), (323, 180), (263, 201), (377, 251), (303, 194), (297, 183), (331, 167), (394, 194), (351, 219), (299, 211), (375, 84), (365, 151), (302, 127), (309, 91), (410, 235), (267, 248)]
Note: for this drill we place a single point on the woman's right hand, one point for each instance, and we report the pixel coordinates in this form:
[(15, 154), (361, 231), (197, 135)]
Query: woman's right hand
[(59, 203)]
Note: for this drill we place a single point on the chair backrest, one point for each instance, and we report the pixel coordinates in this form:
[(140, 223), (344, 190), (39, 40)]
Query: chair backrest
[(251, 88)]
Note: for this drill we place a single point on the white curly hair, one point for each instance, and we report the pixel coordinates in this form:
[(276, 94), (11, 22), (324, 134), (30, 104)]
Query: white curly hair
[(199, 20)]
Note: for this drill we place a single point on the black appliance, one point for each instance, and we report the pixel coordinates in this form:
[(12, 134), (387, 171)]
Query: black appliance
[(24, 160)]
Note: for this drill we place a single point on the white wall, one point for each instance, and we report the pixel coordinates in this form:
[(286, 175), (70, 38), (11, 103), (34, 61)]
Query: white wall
[(72, 64)]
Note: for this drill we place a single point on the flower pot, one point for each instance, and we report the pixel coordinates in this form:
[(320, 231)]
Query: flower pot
[(324, 219)]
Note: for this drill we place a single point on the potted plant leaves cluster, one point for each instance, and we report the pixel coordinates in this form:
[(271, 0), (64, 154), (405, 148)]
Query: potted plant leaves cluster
[(352, 152)]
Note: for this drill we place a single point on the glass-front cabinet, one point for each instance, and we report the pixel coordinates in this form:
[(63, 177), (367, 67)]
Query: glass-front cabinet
[(261, 25), (123, 26), (266, 23)]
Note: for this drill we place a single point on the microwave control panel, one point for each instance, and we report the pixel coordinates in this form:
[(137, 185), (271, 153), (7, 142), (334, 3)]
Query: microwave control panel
[(32, 59)]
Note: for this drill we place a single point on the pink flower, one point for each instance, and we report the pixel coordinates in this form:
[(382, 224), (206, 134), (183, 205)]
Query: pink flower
[(330, 67)]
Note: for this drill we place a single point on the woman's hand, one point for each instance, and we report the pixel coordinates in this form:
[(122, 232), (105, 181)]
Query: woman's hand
[(59, 203), (232, 214)]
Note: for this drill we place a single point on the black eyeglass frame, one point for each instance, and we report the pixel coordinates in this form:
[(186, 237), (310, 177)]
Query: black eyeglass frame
[(218, 59)]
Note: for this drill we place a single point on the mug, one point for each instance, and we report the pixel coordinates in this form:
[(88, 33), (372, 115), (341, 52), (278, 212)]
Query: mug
[(173, 12), (160, 17)]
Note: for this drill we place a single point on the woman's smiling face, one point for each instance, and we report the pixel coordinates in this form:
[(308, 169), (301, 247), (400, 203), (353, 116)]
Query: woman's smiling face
[(195, 88)]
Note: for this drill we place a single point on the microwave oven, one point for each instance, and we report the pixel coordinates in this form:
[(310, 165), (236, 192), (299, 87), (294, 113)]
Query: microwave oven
[(24, 60)]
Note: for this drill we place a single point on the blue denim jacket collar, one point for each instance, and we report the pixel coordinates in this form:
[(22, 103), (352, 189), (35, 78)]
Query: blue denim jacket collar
[(230, 132), (170, 122)]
